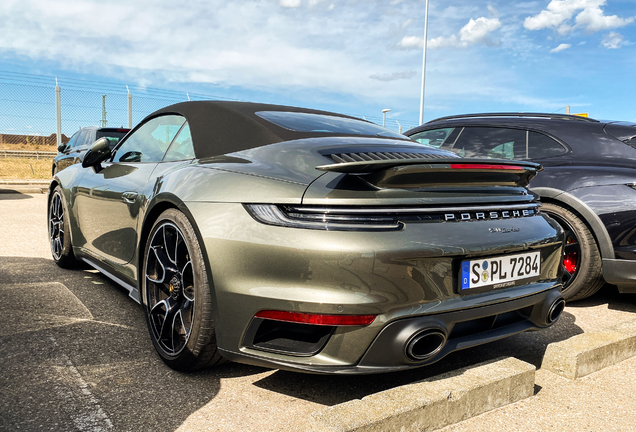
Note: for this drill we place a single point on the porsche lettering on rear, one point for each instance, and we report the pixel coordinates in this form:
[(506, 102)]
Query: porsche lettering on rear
[(488, 215)]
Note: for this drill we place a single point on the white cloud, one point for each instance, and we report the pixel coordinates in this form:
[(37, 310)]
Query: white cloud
[(291, 3), (593, 20), (394, 76), (560, 48), (411, 42), (559, 14), (613, 40), (476, 31)]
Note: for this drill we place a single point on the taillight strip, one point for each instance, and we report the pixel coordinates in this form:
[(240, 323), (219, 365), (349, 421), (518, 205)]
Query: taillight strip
[(487, 167), (317, 319), (409, 210)]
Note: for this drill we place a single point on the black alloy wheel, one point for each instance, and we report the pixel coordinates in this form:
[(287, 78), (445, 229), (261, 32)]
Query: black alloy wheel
[(59, 231), (582, 266), (177, 295)]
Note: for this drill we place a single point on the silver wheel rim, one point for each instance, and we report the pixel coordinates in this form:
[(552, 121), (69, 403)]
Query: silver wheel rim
[(169, 280), (56, 226)]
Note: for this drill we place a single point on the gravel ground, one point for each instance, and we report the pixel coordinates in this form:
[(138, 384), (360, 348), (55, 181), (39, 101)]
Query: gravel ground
[(76, 356)]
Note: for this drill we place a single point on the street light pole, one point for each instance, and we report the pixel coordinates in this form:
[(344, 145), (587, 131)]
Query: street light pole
[(424, 62), (384, 111)]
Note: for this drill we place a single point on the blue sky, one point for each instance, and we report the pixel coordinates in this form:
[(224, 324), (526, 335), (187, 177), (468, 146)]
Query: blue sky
[(351, 56)]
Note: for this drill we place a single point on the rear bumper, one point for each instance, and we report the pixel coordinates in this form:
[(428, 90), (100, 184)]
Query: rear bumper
[(394, 275), (621, 273), (465, 329)]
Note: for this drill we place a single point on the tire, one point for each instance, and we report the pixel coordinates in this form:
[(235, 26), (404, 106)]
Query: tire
[(59, 231), (176, 295), (581, 254)]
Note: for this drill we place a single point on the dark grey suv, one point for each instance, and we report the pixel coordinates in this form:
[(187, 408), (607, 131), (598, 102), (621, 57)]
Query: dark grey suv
[(71, 152), (588, 184)]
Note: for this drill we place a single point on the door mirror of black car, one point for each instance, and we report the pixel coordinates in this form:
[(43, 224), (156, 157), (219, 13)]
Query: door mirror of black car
[(61, 147), (98, 153)]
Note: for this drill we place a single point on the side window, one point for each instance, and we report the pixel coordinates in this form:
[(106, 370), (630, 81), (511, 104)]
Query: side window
[(71, 142), (80, 139), (503, 151), (150, 141), (88, 139), (541, 146), (181, 147), (433, 138), (484, 142)]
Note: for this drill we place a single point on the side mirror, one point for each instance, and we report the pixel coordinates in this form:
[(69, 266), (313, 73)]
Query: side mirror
[(61, 147), (98, 153)]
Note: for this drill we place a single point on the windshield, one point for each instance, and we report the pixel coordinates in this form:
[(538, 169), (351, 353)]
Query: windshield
[(305, 122)]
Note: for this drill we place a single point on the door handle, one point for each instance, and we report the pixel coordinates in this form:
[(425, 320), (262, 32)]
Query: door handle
[(130, 197)]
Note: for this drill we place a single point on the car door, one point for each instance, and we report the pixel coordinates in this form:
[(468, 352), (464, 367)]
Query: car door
[(109, 200)]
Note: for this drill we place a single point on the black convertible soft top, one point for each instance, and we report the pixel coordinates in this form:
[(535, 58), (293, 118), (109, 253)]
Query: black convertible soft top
[(220, 127)]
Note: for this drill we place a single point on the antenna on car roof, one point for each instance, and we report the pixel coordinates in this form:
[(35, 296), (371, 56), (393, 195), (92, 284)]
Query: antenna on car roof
[(527, 115)]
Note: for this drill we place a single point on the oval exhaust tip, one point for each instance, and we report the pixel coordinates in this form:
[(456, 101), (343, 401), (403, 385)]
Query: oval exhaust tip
[(426, 344), (555, 310)]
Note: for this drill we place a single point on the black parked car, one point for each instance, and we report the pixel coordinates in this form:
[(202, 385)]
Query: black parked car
[(71, 152), (588, 184)]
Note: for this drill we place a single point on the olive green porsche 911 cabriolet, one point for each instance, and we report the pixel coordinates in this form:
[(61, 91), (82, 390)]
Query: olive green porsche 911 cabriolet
[(305, 240)]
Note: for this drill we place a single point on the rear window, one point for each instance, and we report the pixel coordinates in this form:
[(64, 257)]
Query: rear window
[(541, 146), (320, 123)]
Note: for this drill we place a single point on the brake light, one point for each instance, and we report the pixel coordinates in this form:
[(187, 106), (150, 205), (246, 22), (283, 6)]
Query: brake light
[(317, 319), (487, 167)]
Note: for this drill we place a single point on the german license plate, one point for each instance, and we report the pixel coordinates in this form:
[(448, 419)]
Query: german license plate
[(499, 272)]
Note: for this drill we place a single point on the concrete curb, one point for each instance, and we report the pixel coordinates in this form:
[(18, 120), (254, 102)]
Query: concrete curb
[(24, 186), (434, 403), (590, 352)]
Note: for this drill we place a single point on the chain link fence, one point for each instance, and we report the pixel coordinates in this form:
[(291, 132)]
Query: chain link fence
[(27, 115), (30, 113)]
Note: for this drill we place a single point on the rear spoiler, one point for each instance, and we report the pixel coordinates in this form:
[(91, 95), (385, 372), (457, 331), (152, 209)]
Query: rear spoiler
[(420, 172)]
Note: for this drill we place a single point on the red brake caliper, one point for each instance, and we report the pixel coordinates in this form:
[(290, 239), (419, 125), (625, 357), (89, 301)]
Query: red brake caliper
[(571, 260)]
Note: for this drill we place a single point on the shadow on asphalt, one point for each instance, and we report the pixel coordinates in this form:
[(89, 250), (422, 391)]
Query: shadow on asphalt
[(76, 355), (610, 296), (8, 195)]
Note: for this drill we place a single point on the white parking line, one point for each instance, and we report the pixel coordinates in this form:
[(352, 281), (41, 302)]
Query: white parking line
[(87, 413)]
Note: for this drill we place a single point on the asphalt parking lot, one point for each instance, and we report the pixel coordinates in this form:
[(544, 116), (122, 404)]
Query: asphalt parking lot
[(76, 356)]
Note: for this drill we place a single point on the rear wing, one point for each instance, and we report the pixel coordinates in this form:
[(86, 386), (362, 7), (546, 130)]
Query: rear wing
[(422, 172)]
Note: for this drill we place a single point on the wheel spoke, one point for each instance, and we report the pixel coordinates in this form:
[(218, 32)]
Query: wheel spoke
[(182, 254), (187, 277), (177, 328), (155, 269), (170, 243), (162, 318), (187, 312)]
